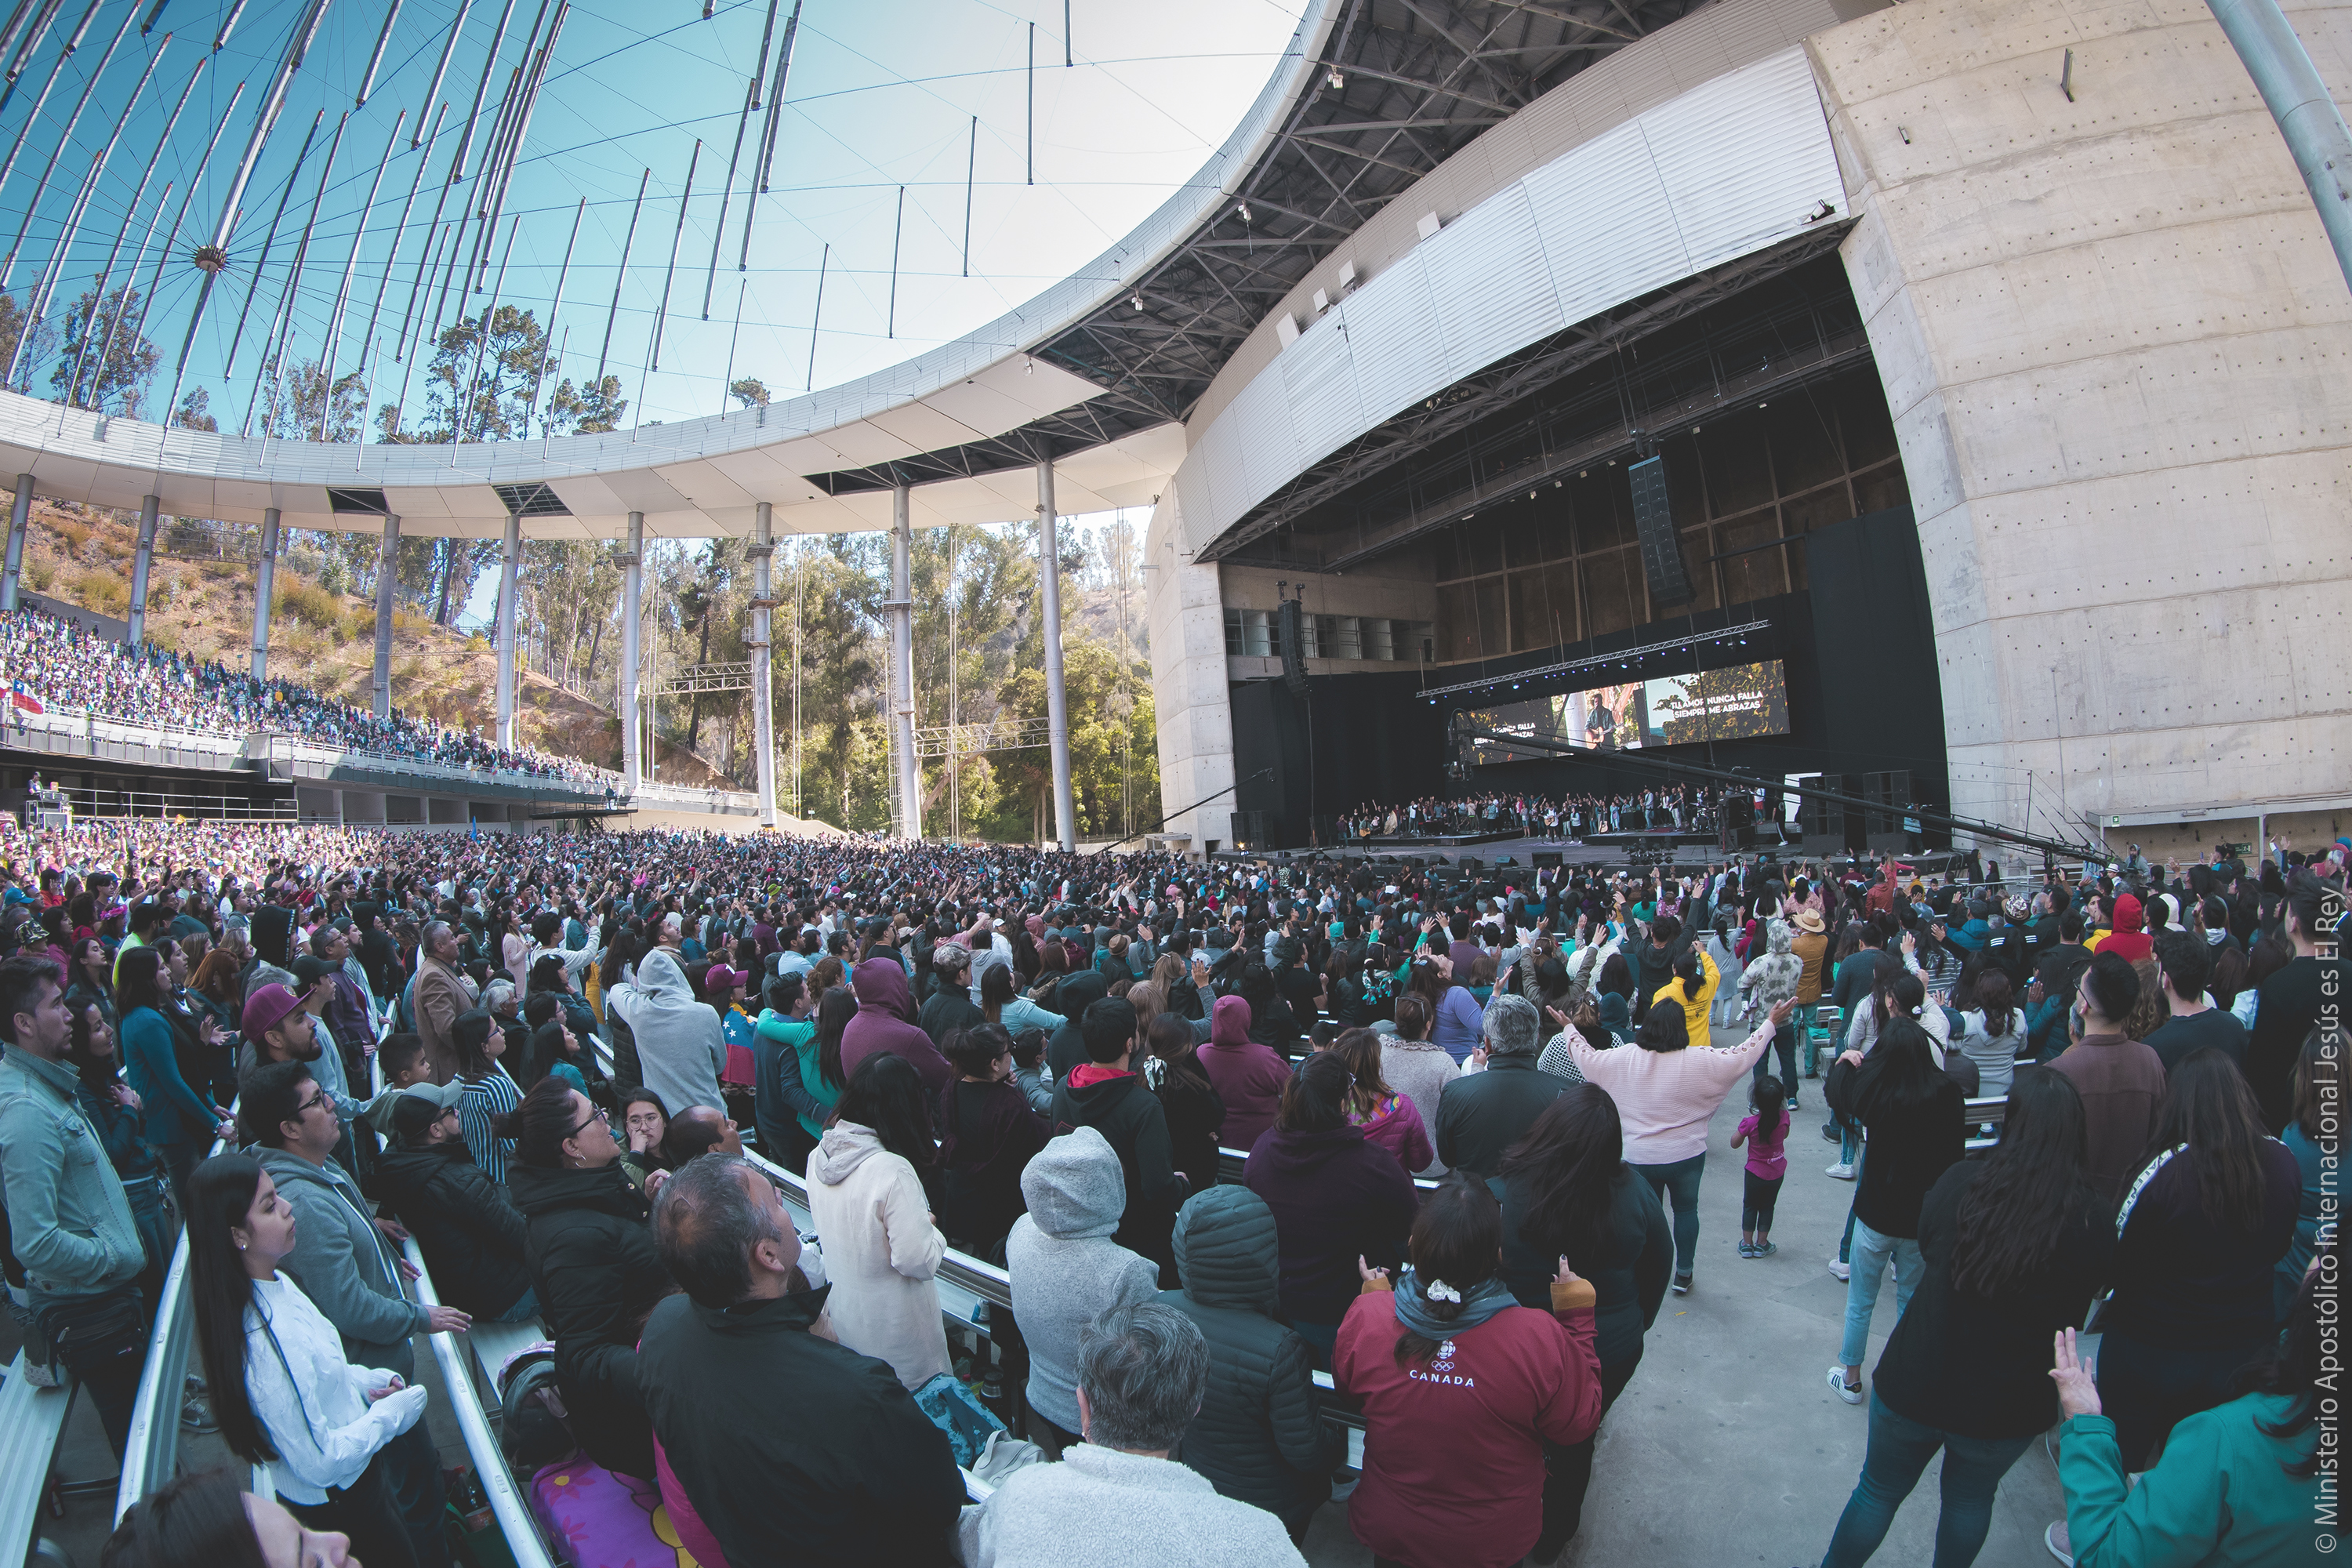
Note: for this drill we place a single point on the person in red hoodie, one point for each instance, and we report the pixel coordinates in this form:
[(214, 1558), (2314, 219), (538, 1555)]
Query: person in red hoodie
[(1249, 1078), (2128, 940), (1461, 1387), (886, 1021)]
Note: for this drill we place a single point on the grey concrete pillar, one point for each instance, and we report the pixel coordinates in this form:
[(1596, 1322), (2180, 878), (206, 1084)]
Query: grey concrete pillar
[(1057, 708), (632, 587), (510, 586), (142, 558), (900, 606), (264, 576), (18, 514), (387, 585), (763, 698)]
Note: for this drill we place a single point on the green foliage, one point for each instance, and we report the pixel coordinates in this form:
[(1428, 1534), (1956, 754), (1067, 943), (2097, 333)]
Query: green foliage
[(101, 363), (751, 391), (310, 603)]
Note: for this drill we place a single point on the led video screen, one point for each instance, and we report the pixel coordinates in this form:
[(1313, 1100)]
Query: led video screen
[(1750, 700)]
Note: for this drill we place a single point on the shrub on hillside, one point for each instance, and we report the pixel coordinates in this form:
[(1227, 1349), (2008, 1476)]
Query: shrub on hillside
[(313, 605), (105, 593), (40, 574)]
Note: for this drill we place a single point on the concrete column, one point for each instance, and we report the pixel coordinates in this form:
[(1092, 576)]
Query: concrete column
[(763, 698), (17, 516), (1057, 709), (510, 584), (632, 587), (901, 608), (387, 585), (141, 559), (263, 577)]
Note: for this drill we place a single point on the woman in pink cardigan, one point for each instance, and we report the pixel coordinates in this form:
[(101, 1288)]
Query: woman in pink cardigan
[(1666, 1090), (1388, 1118)]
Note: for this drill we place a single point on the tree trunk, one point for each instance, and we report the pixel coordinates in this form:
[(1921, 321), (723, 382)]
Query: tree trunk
[(448, 570)]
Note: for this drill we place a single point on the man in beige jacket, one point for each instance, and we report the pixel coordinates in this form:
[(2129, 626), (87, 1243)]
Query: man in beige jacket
[(441, 994)]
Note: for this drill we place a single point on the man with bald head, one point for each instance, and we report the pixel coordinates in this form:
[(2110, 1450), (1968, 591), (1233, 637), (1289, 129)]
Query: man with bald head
[(860, 1475)]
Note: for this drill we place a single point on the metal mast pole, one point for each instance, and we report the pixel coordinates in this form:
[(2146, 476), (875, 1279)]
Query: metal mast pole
[(1057, 714), (633, 583), (2307, 117), (763, 716), (900, 607)]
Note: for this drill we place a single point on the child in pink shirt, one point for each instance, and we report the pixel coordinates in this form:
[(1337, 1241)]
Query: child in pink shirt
[(1768, 1164)]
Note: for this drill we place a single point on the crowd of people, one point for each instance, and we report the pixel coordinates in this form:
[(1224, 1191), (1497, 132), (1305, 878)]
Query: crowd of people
[(1475, 1120), (1676, 808), (55, 663)]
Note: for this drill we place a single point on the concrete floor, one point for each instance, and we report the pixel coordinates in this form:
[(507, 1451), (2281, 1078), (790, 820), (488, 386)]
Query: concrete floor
[(1728, 1446)]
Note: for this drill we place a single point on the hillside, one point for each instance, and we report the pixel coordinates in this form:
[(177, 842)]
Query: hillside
[(204, 607)]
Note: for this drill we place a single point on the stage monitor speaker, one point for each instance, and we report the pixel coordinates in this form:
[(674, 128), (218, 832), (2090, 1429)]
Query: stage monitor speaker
[(1654, 520), (1544, 858), (1294, 648), (1249, 830)]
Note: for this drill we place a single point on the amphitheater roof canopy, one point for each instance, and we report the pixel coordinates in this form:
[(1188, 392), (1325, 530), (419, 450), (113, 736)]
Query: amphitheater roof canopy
[(1099, 371)]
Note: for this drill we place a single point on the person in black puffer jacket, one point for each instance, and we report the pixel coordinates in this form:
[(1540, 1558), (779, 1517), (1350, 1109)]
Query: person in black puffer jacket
[(1260, 1436), (471, 1235), (1567, 1191), (593, 1265)]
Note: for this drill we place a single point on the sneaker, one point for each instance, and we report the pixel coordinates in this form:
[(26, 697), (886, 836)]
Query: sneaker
[(197, 1416), (1746, 1249), (1682, 1284), (1840, 1269), (1850, 1392), (43, 1374), (1842, 1171), (1829, 1133), (2060, 1545), (1764, 1249)]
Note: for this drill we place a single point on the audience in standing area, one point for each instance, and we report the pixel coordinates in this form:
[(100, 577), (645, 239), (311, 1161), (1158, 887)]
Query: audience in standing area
[(1200, 1188)]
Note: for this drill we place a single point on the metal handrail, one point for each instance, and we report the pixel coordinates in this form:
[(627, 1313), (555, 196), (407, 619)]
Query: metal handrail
[(521, 1531), (152, 1454)]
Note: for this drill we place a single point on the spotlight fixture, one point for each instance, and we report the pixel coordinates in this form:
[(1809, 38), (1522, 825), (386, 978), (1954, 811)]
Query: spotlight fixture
[(1338, 82), (1137, 302), (1245, 214)]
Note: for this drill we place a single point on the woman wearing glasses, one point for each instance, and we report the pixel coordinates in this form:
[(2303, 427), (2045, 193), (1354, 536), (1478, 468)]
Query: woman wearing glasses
[(593, 1265)]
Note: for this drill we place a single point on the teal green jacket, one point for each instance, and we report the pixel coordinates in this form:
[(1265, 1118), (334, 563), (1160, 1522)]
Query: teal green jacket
[(2220, 1498), (68, 1218)]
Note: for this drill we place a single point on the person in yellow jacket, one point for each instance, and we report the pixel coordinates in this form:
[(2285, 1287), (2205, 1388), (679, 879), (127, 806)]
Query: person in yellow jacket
[(1692, 990)]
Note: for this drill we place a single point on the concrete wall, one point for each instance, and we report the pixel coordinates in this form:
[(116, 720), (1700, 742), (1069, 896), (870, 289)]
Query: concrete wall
[(2118, 353), (1185, 609)]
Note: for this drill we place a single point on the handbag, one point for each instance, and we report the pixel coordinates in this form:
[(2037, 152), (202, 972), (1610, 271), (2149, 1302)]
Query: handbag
[(953, 1410), (90, 1335)]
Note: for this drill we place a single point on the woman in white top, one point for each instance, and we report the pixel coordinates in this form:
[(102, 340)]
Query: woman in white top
[(869, 1208), (282, 1391)]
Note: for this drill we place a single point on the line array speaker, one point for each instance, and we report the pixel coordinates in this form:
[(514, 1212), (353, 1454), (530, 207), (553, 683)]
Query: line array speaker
[(1654, 520)]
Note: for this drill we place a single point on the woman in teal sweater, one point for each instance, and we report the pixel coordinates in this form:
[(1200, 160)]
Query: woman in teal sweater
[(793, 1098), (180, 1125), (2237, 1485)]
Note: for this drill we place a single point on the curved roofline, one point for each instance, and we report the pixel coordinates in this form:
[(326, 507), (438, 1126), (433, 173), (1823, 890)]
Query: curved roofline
[(81, 442)]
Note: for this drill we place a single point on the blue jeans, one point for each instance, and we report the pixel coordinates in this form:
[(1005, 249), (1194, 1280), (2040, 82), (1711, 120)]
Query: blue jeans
[(1872, 1253), (1678, 1184), (1846, 1242), (411, 1468), (1899, 1450), (1784, 1045), (1803, 1020)]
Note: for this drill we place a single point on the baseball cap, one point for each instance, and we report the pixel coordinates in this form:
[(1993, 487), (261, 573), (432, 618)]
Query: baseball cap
[(413, 1107), (719, 981), (266, 1009)]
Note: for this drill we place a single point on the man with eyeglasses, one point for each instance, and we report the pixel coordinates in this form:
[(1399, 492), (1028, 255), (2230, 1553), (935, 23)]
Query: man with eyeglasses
[(349, 1264)]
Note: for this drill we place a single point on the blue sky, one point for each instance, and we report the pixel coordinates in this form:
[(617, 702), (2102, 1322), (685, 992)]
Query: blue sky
[(882, 95)]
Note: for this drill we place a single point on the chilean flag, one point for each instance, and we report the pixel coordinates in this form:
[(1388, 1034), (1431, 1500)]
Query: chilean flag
[(26, 701)]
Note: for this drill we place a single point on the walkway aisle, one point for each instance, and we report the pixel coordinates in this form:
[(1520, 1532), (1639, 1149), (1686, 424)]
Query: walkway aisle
[(1729, 1448)]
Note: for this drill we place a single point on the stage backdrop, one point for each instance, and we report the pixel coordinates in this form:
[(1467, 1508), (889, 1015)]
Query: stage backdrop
[(1858, 662)]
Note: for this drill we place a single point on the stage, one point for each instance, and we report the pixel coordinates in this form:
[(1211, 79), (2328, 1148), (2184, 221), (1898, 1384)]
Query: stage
[(1674, 854)]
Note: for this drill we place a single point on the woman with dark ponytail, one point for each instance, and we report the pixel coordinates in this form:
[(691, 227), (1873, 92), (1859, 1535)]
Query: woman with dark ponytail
[(2013, 1248), (282, 1391), (1566, 1191), (1447, 1362)]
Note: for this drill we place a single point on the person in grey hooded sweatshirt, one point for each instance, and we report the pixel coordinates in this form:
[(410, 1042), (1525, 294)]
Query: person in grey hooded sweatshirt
[(1260, 1436), (1066, 1270), (1773, 979), (680, 1046)]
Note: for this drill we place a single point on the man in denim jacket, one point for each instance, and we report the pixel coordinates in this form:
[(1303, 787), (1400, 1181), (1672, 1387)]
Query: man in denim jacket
[(68, 1221)]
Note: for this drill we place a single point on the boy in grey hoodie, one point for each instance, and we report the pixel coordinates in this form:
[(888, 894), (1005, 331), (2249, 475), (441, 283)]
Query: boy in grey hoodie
[(1066, 1271)]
